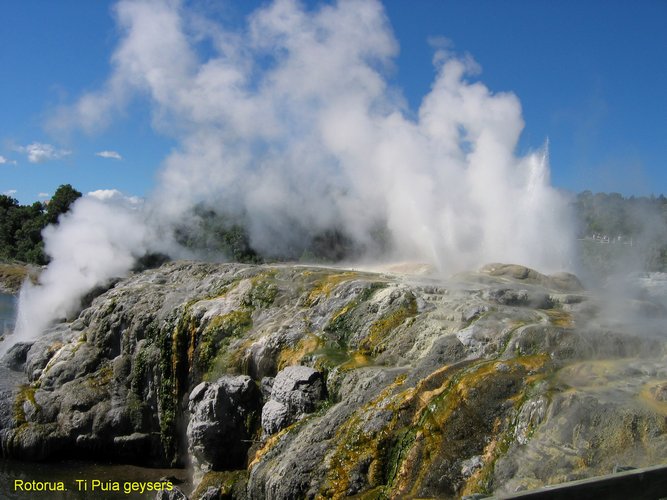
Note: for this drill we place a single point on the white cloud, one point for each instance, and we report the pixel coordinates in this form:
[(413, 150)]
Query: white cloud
[(114, 155), (10, 192), (5, 161), (43, 195), (38, 152), (113, 195)]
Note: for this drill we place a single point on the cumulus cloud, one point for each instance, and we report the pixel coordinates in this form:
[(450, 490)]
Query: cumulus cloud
[(113, 155), (292, 122), (10, 192), (113, 195), (5, 161), (38, 152)]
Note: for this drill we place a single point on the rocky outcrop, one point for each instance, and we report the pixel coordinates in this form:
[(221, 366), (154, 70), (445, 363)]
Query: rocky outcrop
[(222, 419), (295, 392), (302, 382)]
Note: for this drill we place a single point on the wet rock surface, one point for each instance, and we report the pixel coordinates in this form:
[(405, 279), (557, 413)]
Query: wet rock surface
[(303, 382)]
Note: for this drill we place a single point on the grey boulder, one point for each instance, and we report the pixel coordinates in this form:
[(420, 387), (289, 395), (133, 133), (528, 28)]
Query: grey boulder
[(221, 420), (296, 392)]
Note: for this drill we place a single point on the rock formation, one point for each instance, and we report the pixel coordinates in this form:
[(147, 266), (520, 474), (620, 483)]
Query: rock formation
[(221, 424), (295, 392), (281, 381)]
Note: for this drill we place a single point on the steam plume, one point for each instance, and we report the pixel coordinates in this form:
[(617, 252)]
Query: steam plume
[(292, 122), (99, 239)]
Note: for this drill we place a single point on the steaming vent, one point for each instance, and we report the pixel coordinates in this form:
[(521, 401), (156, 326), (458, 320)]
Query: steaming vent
[(291, 127)]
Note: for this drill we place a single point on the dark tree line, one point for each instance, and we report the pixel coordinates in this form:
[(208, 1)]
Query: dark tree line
[(613, 226), (634, 226), (213, 235), (641, 221), (21, 225), (613, 215)]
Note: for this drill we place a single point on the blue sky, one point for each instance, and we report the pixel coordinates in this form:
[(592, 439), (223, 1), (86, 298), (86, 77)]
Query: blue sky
[(591, 77)]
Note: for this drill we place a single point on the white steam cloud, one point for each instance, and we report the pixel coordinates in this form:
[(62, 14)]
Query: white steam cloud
[(100, 238), (292, 122)]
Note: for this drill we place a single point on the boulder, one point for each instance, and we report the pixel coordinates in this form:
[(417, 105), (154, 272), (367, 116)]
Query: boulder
[(275, 416), (16, 355), (222, 415), (296, 391)]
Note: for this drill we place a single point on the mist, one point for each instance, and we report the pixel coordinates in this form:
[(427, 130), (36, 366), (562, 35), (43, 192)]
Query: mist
[(292, 122), (623, 247)]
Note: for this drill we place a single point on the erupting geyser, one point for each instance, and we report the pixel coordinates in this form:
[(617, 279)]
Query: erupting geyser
[(292, 122)]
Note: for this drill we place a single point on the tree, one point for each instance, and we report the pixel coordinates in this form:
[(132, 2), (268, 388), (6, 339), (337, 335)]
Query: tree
[(62, 199), (29, 244), (21, 225), (7, 202)]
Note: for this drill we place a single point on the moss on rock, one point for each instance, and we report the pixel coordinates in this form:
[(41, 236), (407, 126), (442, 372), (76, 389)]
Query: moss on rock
[(230, 484), (380, 329), (326, 285)]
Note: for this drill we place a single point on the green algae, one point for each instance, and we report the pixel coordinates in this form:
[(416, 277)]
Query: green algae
[(213, 354), (362, 452), (218, 334), (26, 393), (381, 328), (323, 287), (263, 291), (445, 417), (306, 348), (102, 377), (232, 483), (559, 318)]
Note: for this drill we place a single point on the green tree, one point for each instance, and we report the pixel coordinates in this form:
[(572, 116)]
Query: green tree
[(29, 244), (7, 225), (21, 225), (62, 199)]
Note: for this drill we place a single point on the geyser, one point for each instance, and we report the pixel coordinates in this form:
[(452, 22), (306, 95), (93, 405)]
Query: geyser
[(99, 239), (292, 122)]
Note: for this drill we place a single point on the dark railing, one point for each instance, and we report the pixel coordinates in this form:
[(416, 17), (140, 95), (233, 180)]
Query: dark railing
[(649, 483)]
